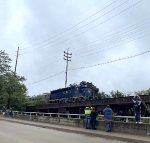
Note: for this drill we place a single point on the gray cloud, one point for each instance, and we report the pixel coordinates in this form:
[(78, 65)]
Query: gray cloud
[(36, 27)]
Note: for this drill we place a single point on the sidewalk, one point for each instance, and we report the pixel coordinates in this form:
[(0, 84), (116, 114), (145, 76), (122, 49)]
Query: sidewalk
[(96, 133)]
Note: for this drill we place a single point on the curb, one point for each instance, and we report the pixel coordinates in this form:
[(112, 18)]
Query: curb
[(108, 136)]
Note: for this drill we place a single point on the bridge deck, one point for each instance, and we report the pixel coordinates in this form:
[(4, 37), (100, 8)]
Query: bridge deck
[(103, 102)]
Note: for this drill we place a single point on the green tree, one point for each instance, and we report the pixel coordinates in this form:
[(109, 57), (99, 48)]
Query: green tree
[(95, 90), (12, 88), (73, 85), (14, 91), (102, 95), (116, 94), (4, 62), (144, 92), (38, 100)]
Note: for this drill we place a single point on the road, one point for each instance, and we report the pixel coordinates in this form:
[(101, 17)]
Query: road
[(19, 133)]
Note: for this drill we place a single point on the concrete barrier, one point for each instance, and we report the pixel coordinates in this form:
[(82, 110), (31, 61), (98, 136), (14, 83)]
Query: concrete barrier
[(121, 127)]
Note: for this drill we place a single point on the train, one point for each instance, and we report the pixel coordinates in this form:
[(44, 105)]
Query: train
[(74, 99), (71, 94)]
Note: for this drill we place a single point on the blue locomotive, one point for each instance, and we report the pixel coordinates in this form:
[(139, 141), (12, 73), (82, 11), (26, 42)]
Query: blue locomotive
[(71, 94)]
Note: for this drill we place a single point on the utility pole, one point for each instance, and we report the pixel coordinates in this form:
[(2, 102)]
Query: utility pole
[(16, 60), (67, 57)]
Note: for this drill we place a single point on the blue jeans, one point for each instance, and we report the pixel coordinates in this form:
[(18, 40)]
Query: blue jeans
[(108, 126), (137, 116), (93, 123), (88, 121)]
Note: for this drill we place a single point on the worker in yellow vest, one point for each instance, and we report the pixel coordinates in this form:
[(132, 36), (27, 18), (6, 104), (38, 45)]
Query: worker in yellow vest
[(87, 113)]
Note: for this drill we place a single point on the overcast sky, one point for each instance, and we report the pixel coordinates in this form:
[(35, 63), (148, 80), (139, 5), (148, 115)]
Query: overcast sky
[(95, 31)]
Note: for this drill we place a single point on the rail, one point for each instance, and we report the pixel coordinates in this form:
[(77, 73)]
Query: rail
[(78, 116)]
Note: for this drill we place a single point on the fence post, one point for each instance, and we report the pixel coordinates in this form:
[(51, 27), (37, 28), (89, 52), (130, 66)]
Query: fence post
[(13, 114), (30, 116), (17, 114), (127, 120), (148, 127), (79, 116)]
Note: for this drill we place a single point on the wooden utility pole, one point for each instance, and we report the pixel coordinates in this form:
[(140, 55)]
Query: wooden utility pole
[(67, 57), (16, 60)]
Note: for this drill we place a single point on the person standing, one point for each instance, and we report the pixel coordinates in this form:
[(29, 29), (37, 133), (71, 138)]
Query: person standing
[(4, 111), (87, 113), (11, 112), (137, 108), (93, 118), (108, 118)]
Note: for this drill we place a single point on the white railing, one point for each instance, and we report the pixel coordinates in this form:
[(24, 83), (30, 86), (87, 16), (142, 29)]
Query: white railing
[(58, 115), (76, 116), (37, 115)]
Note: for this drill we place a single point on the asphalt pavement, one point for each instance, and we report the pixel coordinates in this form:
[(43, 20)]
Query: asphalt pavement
[(28, 132)]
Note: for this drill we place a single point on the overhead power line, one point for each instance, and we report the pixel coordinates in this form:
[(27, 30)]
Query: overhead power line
[(129, 37), (101, 64), (118, 33), (78, 23), (93, 14), (111, 61), (119, 36), (56, 42), (51, 76), (122, 11), (101, 16)]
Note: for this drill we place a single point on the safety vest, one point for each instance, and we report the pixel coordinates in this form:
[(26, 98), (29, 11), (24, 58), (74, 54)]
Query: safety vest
[(87, 111)]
